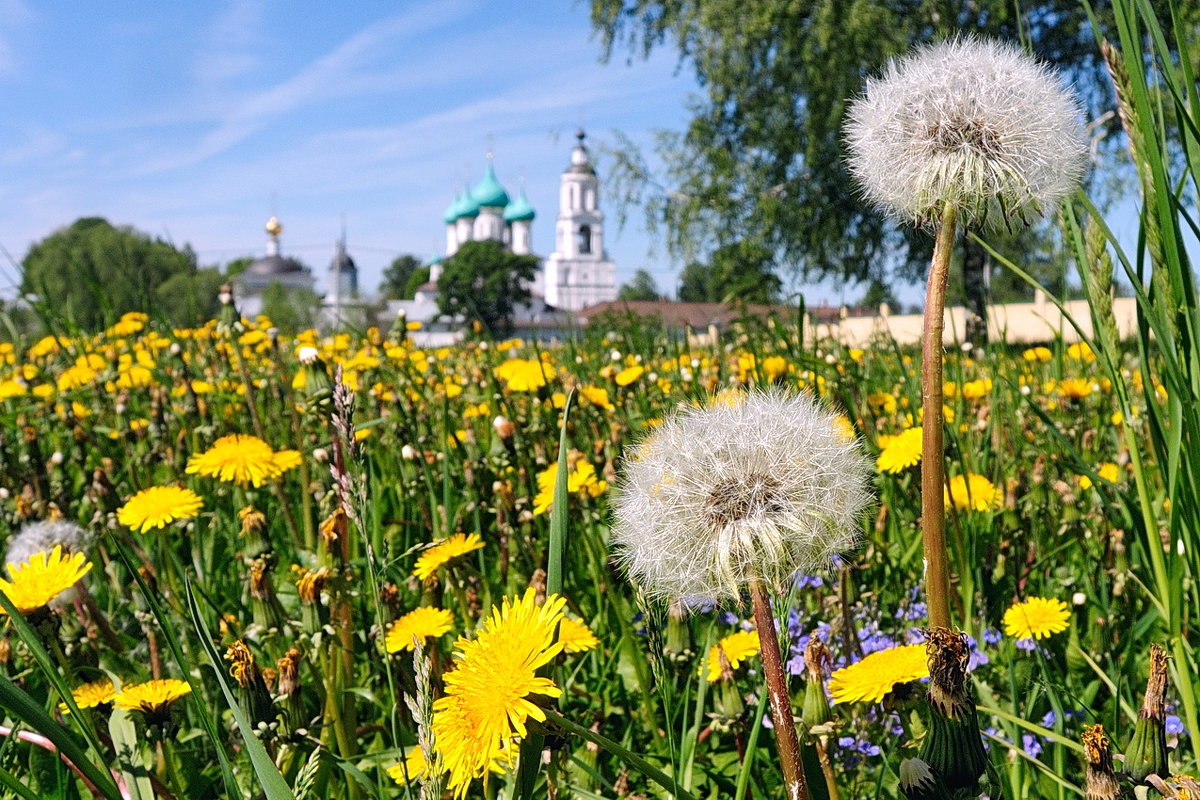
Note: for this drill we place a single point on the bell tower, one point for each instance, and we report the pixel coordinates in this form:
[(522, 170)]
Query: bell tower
[(578, 272)]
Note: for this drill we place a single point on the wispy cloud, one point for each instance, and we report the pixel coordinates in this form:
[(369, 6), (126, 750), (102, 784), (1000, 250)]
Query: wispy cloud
[(333, 74), (14, 14), (230, 46)]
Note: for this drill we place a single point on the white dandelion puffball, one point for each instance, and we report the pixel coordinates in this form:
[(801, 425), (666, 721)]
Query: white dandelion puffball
[(751, 486), (972, 123)]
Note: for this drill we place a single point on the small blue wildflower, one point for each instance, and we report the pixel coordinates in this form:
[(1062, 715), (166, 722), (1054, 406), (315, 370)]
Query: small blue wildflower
[(1028, 644), (992, 636), (1049, 719), (1032, 745), (809, 582), (1174, 725)]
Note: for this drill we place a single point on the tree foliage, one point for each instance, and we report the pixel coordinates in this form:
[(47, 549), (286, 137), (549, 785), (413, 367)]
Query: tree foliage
[(92, 272), (484, 283), (740, 271), (397, 283), (761, 159), (640, 287), (291, 309)]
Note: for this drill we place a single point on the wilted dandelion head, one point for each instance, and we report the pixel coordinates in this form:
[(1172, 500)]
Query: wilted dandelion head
[(751, 486), (972, 123), (44, 536)]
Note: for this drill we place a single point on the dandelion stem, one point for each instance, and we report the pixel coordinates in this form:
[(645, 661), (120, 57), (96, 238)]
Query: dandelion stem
[(787, 742), (933, 464)]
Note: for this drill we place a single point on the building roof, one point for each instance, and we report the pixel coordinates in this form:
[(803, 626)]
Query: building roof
[(342, 262), (698, 316), (488, 193), (519, 210), (275, 265)]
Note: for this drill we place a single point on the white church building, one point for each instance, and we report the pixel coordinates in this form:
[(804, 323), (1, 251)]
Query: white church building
[(577, 274)]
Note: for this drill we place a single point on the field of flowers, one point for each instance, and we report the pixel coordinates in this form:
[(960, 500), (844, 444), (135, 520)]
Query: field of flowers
[(261, 537)]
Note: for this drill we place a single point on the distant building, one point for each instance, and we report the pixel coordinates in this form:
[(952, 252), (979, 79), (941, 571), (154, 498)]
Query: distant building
[(272, 268), (578, 273)]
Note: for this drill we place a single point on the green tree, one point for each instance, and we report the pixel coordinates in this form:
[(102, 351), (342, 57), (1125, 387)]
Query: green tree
[(419, 276), (397, 278), (92, 272), (191, 298), (761, 158), (484, 283), (291, 310), (736, 272), (640, 287)]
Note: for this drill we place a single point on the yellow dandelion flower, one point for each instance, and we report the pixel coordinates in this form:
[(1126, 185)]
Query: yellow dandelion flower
[(878, 674), (525, 374), (237, 458), (158, 506), (289, 459), (422, 623), (1036, 618), (883, 402), (1074, 388), (1109, 472), (414, 767), (581, 479), (597, 396), (576, 636), (42, 578), (901, 452), (90, 695), (737, 647), (972, 493), (445, 551), (1037, 354), (629, 375), (481, 719), (152, 697), (1081, 352), (774, 367), (976, 390)]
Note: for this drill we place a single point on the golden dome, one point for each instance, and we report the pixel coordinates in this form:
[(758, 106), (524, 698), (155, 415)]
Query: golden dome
[(274, 226)]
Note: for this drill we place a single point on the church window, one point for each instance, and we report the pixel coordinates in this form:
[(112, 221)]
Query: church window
[(585, 238)]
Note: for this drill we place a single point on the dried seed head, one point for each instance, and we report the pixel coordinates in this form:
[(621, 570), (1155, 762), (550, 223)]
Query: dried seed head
[(750, 486), (971, 123)]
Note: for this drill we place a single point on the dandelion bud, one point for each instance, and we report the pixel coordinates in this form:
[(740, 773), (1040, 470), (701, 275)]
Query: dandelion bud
[(918, 781), (817, 661), (504, 427), (243, 668), (1146, 754), (1100, 782), (953, 746)]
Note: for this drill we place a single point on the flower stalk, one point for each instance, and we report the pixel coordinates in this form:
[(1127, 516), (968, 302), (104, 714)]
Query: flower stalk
[(787, 742), (933, 463)]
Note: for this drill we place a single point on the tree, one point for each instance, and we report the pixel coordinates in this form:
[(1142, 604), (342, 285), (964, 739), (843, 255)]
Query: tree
[(737, 272), (641, 287), (761, 159), (397, 278), (290, 309), (91, 272), (484, 283), (191, 298)]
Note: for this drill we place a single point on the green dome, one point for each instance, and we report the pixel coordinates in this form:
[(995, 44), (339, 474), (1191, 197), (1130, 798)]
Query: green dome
[(519, 210), (467, 207), (488, 192), (452, 211)]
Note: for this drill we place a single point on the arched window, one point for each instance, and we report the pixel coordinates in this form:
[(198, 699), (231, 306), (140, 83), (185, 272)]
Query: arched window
[(585, 238)]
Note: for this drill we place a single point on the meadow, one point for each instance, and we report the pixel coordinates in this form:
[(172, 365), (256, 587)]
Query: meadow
[(246, 564)]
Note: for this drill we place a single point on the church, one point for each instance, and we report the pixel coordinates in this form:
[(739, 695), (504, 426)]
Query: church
[(578, 273)]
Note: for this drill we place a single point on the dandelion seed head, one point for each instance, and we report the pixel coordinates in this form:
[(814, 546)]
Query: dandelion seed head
[(44, 536), (973, 123), (751, 486)]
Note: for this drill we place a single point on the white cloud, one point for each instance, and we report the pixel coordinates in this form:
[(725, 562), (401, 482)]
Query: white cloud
[(14, 14)]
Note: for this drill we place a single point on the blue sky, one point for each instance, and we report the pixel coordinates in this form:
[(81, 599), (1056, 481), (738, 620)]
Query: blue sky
[(194, 121)]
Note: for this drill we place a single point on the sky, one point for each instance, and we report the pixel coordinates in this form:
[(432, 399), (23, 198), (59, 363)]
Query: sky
[(195, 122)]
